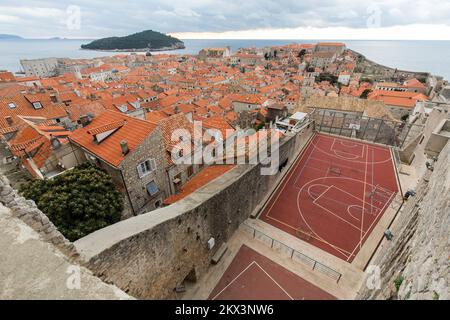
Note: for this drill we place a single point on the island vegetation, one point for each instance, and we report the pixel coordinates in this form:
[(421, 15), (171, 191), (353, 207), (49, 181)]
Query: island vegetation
[(141, 41)]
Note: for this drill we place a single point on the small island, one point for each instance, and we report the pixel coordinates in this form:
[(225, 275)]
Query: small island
[(148, 40), (10, 37)]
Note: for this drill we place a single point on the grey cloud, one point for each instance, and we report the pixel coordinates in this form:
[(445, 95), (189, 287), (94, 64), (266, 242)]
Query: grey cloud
[(45, 18)]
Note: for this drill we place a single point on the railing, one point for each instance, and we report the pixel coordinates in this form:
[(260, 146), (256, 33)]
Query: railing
[(397, 161), (292, 253)]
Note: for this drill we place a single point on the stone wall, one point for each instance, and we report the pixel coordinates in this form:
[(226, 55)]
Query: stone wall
[(415, 264), (152, 147), (148, 256), (27, 211)]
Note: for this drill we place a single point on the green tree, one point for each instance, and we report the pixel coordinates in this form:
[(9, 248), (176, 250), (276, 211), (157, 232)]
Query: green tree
[(78, 201), (325, 76), (365, 94), (302, 53)]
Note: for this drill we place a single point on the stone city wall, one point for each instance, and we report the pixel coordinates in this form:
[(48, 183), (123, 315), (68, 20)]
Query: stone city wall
[(150, 255)]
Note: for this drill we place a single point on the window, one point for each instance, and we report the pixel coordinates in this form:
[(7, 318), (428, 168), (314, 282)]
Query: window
[(146, 167), (12, 105), (152, 188), (37, 105)]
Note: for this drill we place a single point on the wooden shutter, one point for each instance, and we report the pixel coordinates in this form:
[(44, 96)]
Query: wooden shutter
[(139, 169), (153, 164)]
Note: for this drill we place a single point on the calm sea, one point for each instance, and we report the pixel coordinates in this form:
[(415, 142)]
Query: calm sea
[(429, 56)]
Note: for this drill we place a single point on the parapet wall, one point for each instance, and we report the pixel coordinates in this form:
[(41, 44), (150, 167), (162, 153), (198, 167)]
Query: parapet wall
[(27, 211), (148, 256)]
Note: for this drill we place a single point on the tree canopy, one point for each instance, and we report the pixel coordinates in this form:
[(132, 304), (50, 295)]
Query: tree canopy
[(141, 40), (325, 76), (365, 93), (78, 201)]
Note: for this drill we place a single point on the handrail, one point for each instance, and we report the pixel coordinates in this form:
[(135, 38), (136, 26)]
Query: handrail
[(295, 254)]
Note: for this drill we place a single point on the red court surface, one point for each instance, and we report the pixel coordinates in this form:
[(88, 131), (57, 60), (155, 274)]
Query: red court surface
[(252, 276), (334, 194)]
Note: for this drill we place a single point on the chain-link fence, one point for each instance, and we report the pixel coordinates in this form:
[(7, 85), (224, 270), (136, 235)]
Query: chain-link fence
[(352, 124)]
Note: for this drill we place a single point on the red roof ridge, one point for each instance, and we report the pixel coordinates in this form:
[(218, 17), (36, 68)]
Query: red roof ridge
[(107, 127)]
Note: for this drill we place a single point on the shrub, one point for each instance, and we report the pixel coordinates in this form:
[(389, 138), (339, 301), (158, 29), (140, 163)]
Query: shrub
[(398, 282), (78, 201), (365, 93)]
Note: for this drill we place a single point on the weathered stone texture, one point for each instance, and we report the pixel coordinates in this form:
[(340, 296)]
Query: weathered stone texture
[(418, 257), (27, 211)]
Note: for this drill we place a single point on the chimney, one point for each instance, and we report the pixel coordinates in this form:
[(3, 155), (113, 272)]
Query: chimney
[(84, 120), (54, 142), (124, 147), (9, 120)]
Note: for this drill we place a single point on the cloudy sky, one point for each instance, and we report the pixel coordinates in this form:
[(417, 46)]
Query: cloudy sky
[(283, 19)]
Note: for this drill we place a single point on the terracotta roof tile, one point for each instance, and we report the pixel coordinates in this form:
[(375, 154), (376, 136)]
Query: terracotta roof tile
[(130, 129), (202, 178)]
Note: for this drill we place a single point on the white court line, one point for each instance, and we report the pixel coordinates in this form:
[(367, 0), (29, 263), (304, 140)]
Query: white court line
[(304, 166), (243, 271), (351, 215), (357, 142), (332, 213), (344, 157), (317, 237), (353, 196), (314, 185), (312, 144), (349, 146), (349, 160), (363, 199), (385, 190), (288, 177), (344, 252), (374, 220), (332, 148), (340, 165)]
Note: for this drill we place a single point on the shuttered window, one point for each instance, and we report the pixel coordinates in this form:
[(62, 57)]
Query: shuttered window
[(152, 188), (146, 167)]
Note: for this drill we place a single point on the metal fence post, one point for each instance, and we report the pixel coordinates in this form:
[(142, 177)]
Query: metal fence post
[(379, 129), (321, 122), (406, 135), (332, 120), (343, 123), (365, 129)]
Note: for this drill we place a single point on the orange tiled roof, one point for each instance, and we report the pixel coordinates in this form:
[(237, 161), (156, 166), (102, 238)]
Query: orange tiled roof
[(6, 76), (202, 178), (106, 127), (24, 108), (132, 130)]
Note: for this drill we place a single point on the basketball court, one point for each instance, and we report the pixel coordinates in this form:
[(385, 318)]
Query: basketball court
[(252, 276), (334, 194)]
